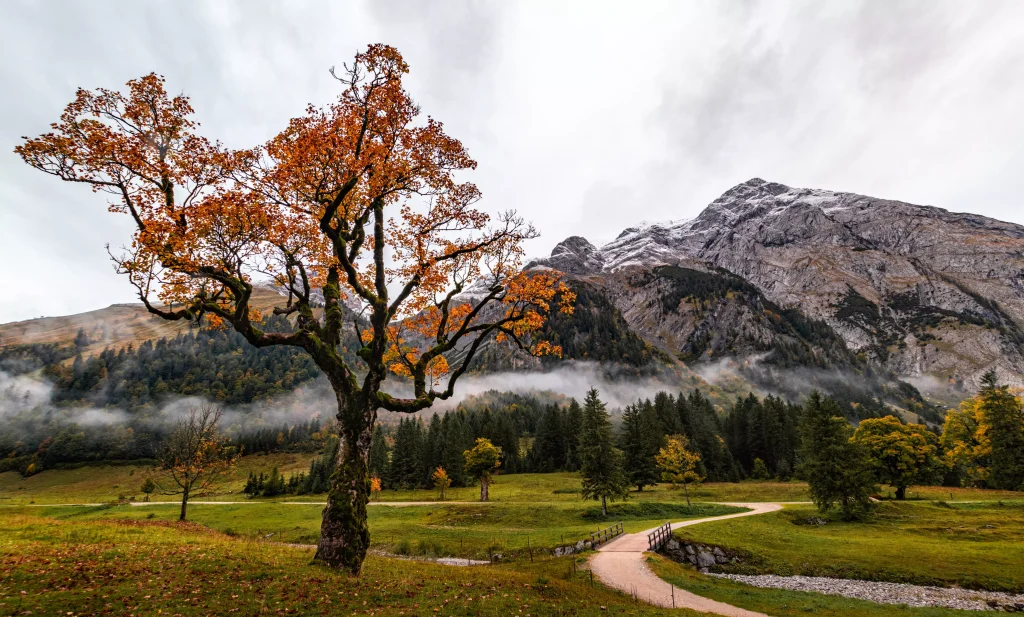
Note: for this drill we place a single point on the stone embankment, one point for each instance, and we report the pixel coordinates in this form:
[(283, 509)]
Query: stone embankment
[(702, 556)]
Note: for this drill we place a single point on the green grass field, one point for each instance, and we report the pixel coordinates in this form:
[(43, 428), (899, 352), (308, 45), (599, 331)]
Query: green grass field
[(970, 544), (472, 531), (964, 537), (106, 483), (151, 568)]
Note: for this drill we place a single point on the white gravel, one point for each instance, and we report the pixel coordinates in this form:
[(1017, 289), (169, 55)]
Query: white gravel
[(885, 593)]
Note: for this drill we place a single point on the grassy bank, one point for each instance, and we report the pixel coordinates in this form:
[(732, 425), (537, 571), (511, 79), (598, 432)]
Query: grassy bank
[(977, 545)]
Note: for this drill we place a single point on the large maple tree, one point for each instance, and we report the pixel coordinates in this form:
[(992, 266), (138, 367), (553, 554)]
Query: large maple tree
[(356, 209)]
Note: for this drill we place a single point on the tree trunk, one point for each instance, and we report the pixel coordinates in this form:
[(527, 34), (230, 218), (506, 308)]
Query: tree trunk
[(344, 533), (901, 493), (483, 488), (604, 506), (184, 503), (686, 489)]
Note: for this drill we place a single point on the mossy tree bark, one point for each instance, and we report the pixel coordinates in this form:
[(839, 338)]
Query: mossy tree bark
[(344, 532)]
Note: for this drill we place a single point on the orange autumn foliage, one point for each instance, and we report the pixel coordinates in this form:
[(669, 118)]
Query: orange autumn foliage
[(359, 200)]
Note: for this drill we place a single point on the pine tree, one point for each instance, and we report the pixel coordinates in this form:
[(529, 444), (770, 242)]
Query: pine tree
[(405, 456), (760, 470), (1004, 415), (837, 470), (641, 439), (548, 452), (457, 438), (380, 454), (600, 461), (573, 425)]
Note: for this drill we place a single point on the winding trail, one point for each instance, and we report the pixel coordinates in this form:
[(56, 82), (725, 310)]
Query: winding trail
[(620, 564)]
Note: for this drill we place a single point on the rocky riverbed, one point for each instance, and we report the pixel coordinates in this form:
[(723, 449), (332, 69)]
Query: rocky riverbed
[(888, 593)]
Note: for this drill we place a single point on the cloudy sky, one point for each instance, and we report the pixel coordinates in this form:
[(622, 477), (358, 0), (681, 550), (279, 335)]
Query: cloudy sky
[(585, 116)]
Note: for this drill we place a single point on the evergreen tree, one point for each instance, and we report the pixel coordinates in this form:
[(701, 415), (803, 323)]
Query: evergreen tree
[(548, 452), (81, 340), (701, 425), (760, 471), (664, 408), (1003, 413), (457, 438), (573, 424), (380, 454), (405, 456), (837, 470), (641, 440), (600, 461)]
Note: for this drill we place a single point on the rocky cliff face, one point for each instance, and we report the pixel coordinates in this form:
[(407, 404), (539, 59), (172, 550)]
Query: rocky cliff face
[(917, 290)]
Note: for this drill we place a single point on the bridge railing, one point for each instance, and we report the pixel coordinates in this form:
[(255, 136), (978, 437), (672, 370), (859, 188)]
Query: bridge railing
[(598, 538), (657, 538)]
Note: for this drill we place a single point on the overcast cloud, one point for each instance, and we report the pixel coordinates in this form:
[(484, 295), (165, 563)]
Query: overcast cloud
[(587, 117)]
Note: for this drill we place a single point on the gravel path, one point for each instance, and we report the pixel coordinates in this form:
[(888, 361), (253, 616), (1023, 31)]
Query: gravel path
[(885, 593), (620, 564)]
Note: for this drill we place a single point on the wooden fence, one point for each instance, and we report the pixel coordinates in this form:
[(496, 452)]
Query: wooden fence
[(657, 538), (598, 538)]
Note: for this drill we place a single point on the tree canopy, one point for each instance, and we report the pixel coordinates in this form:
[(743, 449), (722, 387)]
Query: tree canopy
[(901, 454), (356, 208)]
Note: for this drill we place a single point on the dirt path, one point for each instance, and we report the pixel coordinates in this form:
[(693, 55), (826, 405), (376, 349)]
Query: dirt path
[(620, 564)]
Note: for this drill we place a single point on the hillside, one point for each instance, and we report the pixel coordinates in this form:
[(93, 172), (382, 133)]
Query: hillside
[(115, 326)]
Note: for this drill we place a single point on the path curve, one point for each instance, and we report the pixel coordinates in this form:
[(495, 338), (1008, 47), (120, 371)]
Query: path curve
[(620, 564)]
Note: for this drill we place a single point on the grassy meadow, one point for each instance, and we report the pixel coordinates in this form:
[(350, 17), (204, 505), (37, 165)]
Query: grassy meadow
[(79, 567), (252, 557)]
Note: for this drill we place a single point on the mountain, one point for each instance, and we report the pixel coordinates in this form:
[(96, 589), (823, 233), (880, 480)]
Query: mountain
[(772, 287), (916, 291), (115, 326)]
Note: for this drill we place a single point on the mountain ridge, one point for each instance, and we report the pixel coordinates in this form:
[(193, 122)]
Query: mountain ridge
[(921, 291)]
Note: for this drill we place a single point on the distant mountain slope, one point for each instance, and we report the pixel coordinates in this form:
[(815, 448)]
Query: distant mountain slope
[(917, 290), (116, 326)]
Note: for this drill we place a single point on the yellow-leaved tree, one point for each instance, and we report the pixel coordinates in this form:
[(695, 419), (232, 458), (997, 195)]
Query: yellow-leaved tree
[(356, 209), (678, 464), (441, 482), (900, 454), (482, 461)]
